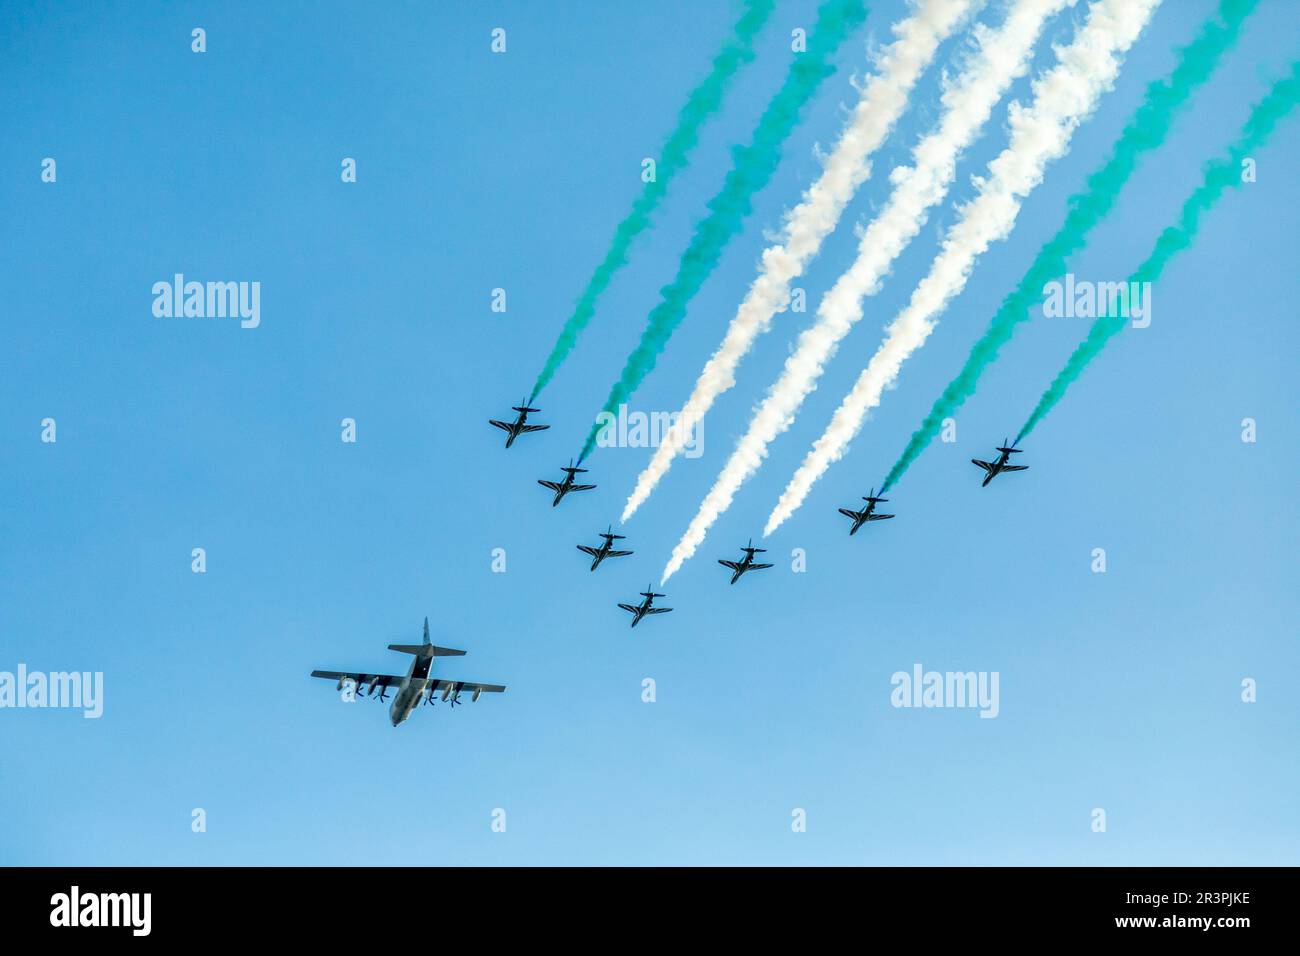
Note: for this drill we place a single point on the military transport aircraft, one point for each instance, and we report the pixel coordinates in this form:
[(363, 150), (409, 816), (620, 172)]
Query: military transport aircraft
[(564, 487), (417, 685), (866, 514), (518, 426), (606, 549), (997, 467), (746, 563), (644, 608)]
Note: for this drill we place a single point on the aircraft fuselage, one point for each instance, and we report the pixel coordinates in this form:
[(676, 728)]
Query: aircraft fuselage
[(408, 695)]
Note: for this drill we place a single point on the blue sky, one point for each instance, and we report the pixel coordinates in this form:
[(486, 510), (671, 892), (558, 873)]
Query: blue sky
[(476, 171)]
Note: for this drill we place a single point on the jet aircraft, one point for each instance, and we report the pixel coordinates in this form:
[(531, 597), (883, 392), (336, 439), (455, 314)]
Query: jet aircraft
[(564, 487), (519, 426), (641, 610), (996, 468), (605, 550), (866, 514), (746, 563)]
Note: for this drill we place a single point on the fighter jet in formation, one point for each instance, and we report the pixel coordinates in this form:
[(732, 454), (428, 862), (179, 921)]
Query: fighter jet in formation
[(417, 685), (639, 611), (746, 563), (564, 487), (606, 550), (997, 467), (518, 427), (866, 514)]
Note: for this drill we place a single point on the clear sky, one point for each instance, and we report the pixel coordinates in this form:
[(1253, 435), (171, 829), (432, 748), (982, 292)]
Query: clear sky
[(1119, 691)]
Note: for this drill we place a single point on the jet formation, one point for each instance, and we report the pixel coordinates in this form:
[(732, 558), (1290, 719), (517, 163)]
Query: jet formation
[(738, 569)]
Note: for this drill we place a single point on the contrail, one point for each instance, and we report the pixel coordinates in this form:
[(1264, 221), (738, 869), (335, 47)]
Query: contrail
[(1145, 131), (883, 99), (752, 166), (703, 102), (998, 57), (1220, 174), (1063, 98)]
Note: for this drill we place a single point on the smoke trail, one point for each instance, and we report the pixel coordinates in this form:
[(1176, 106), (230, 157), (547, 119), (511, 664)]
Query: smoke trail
[(1145, 131), (1063, 98), (752, 166), (703, 102), (883, 100), (1219, 175), (997, 59)]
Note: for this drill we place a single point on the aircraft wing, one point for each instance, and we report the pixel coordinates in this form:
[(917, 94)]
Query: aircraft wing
[(581, 487), (729, 564), (502, 425), (618, 554), (759, 567), (548, 484), (534, 428), (1014, 467), (629, 607), (590, 551), (848, 514), (659, 610), (874, 517), (370, 680), (983, 464), (438, 686)]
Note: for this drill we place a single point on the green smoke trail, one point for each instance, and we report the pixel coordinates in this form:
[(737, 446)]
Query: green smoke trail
[(752, 166), (1145, 131), (1219, 175), (702, 103)]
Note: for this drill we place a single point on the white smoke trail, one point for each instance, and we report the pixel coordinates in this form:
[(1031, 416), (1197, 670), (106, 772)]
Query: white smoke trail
[(1063, 98), (1000, 56), (883, 99)]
